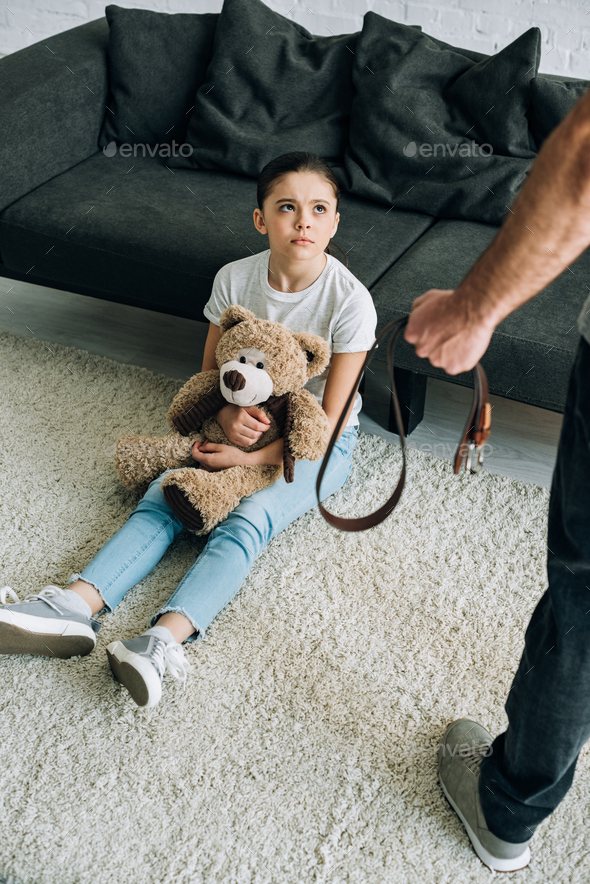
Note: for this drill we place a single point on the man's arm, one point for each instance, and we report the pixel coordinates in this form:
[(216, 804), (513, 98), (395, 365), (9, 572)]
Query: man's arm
[(547, 227)]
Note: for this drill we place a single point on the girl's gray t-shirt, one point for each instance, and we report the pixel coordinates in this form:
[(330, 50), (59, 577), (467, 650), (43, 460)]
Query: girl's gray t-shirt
[(337, 307)]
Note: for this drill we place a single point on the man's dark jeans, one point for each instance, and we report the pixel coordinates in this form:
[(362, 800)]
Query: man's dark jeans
[(532, 763)]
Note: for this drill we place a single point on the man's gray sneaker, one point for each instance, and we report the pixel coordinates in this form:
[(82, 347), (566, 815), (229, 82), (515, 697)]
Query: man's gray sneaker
[(464, 745), (140, 663), (42, 624)]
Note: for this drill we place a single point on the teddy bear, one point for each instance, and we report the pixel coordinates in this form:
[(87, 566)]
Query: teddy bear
[(261, 363)]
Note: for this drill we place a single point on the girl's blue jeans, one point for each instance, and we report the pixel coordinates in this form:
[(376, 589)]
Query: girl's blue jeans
[(231, 547)]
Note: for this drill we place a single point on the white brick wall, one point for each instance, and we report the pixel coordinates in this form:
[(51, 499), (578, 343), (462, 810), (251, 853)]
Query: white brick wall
[(484, 25)]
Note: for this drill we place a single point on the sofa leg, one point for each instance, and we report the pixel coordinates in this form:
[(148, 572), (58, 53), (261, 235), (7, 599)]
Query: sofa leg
[(411, 391)]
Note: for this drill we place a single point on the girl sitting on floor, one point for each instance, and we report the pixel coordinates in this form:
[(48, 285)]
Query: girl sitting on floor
[(297, 282)]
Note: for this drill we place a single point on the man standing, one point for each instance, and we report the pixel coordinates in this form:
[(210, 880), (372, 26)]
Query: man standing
[(503, 788)]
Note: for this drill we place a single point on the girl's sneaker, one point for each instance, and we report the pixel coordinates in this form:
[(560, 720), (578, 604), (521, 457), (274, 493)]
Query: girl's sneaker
[(140, 664), (45, 624)]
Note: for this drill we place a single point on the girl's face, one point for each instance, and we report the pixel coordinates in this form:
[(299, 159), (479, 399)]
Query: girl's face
[(302, 204)]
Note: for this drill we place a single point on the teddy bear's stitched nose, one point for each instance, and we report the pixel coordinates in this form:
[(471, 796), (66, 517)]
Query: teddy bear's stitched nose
[(234, 380)]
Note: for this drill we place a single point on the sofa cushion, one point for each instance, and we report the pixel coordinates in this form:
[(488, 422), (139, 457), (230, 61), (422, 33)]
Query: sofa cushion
[(271, 88), (127, 228), (531, 351), (156, 63), (411, 92), (47, 124), (551, 101), (548, 106)]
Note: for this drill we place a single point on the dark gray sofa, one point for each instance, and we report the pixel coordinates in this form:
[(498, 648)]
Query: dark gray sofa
[(133, 231)]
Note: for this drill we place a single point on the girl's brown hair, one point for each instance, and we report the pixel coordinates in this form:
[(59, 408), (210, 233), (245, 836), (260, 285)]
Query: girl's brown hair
[(296, 161)]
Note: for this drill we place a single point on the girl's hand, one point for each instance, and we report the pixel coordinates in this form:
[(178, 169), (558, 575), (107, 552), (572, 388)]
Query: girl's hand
[(214, 457), (242, 426)]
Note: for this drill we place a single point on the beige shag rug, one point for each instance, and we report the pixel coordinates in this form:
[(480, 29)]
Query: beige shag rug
[(304, 747)]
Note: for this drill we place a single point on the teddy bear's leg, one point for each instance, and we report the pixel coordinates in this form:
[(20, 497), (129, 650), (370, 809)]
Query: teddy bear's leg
[(139, 459), (201, 500)]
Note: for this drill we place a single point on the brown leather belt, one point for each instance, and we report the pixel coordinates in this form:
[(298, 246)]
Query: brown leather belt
[(470, 448)]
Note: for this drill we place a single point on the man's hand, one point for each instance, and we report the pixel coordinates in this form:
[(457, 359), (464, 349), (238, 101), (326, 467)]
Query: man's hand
[(214, 457), (243, 426), (445, 332)]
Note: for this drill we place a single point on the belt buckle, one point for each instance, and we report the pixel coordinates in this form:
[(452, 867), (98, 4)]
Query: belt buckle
[(477, 464)]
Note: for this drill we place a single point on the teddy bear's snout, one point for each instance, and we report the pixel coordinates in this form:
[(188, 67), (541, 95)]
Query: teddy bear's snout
[(244, 384), (234, 380)]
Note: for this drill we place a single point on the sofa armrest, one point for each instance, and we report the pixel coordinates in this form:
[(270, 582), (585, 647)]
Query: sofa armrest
[(53, 96)]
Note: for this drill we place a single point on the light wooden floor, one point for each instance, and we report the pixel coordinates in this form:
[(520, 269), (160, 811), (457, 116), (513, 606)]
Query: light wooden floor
[(523, 443)]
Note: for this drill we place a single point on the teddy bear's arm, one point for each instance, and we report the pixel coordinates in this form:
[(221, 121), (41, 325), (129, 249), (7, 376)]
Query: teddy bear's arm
[(310, 427), (197, 400)]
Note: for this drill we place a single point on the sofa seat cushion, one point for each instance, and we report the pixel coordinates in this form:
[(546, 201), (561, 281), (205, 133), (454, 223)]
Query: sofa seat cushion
[(531, 351), (156, 62), (139, 233), (271, 88), (434, 131)]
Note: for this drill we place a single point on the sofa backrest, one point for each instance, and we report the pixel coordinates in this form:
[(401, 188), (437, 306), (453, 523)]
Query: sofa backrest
[(53, 96), (62, 81)]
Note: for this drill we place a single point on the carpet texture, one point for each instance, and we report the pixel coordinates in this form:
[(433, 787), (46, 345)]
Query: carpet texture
[(304, 746)]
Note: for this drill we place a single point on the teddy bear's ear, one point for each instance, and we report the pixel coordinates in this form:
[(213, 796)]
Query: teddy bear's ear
[(317, 351), (233, 315)]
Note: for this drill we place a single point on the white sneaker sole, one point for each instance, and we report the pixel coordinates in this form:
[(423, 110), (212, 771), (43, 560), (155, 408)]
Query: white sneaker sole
[(492, 862), (136, 673), (28, 634)]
